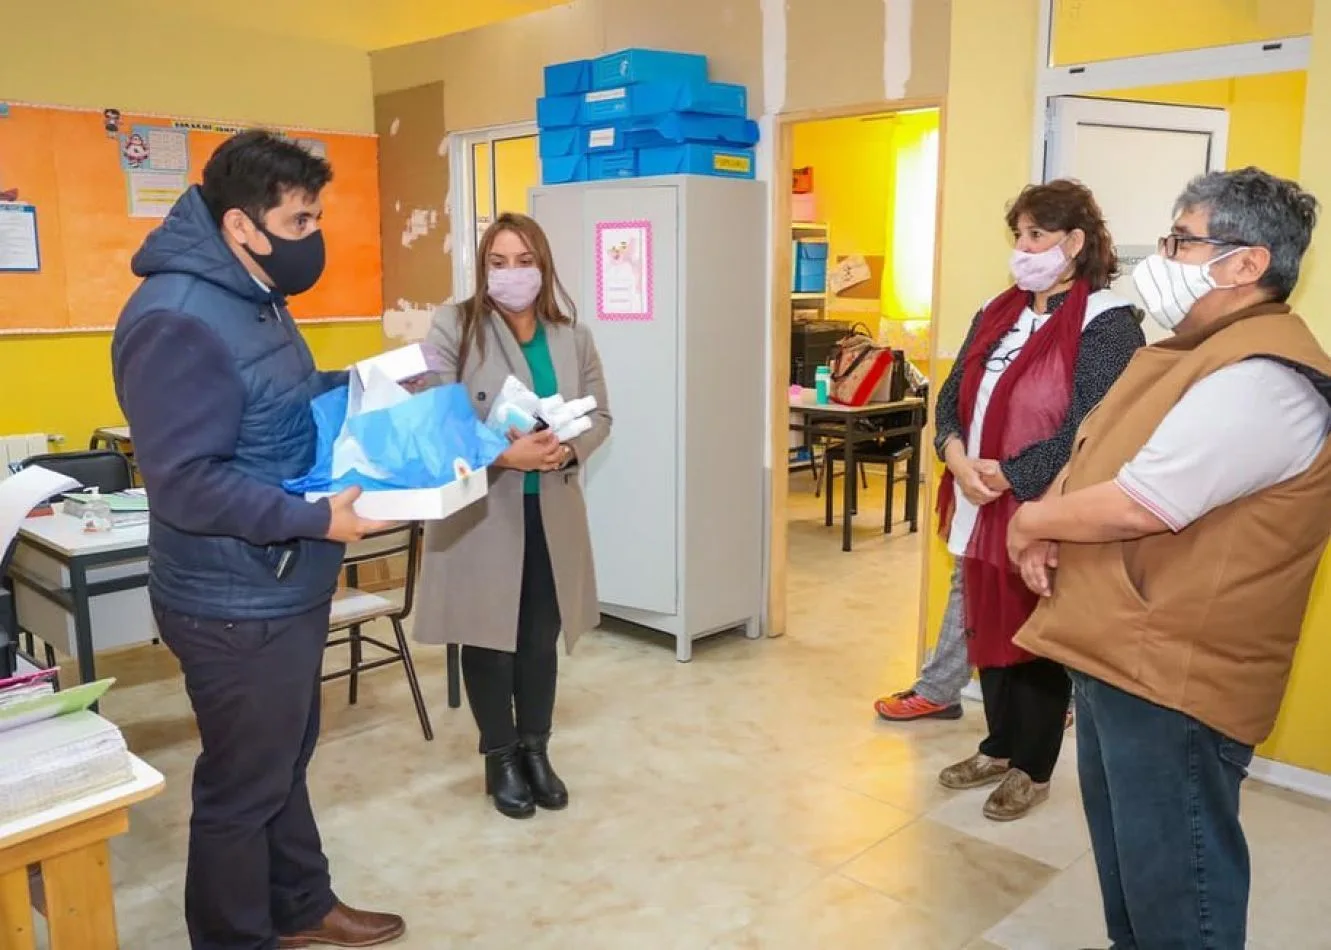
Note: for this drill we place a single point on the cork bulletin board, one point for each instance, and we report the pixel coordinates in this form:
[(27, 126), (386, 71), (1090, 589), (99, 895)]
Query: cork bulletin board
[(97, 182)]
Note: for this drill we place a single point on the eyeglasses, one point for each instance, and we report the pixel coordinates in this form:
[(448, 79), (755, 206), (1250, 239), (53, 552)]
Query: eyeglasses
[(1170, 244)]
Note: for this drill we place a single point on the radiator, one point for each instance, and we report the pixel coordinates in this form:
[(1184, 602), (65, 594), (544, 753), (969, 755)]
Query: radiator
[(16, 448)]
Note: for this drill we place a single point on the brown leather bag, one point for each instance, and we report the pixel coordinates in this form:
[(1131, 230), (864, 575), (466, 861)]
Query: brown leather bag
[(859, 365)]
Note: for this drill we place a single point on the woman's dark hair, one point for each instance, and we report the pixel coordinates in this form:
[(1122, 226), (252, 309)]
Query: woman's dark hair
[(255, 170), (1066, 205)]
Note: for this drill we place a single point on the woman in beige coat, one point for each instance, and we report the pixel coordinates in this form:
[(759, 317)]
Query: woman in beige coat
[(506, 575)]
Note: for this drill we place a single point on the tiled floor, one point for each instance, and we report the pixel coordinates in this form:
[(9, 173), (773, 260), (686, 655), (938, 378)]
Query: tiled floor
[(748, 799)]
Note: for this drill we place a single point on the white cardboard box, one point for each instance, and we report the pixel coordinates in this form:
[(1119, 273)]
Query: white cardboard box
[(405, 362), (420, 504)]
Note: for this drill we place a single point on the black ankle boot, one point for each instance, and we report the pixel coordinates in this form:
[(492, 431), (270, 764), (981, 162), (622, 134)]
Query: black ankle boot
[(546, 787), (506, 782)]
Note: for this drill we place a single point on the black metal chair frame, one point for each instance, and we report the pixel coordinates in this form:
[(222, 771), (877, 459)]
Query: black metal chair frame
[(355, 636), (896, 451)]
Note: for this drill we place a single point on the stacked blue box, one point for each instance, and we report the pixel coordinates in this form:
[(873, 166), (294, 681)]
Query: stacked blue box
[(697, 160), (810, 271), (631, 66), (642, 112), (569, 79)]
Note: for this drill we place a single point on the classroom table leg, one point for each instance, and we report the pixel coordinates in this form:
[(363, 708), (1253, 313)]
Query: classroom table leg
[(16, 919), (80, 903), (848, 489), (78, 591), (913, 480)]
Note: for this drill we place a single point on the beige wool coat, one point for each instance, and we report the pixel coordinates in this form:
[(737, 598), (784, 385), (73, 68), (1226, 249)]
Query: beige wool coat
[(471, 567)]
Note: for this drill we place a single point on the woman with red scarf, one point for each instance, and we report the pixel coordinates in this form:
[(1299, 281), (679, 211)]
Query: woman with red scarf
[(1038, 357)]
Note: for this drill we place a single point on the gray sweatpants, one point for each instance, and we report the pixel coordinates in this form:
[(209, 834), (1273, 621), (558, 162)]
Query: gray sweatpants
[(948, 669)]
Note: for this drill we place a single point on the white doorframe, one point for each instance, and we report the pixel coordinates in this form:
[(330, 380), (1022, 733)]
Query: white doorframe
[(462, 199), (1288, 54)]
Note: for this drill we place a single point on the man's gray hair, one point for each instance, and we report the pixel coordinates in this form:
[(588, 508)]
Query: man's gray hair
[(1253, 208)]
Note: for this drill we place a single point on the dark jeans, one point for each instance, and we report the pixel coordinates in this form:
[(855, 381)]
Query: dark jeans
[(1161, 792), (1026, 707), (500, 684), (256, 864)]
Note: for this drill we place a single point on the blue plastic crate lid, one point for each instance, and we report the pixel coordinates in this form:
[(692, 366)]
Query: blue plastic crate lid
[(660, 98), (697, 160), (677, 128), (557, 112), (557, 143), (564, 169), (629, 66), (602, 166), (568, 79)]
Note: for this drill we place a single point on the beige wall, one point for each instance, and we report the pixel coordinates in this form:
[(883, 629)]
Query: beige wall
[(492, 75)]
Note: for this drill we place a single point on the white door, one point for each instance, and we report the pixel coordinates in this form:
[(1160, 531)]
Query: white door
[(1136, 157)]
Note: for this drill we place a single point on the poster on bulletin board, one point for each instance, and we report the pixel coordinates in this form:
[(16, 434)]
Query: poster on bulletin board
[(99, 181), (624, 270)]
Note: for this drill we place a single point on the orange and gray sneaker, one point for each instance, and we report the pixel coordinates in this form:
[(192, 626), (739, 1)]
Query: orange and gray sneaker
[(909, 705)]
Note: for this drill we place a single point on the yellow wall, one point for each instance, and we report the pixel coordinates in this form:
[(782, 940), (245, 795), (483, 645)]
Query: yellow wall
[(1092, 30), (859, 164), (1265, 115), (852, 174), (1303, 734), (986, 160), (87, 54)]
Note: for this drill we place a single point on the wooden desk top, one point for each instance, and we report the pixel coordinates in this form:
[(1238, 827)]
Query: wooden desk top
[(146, 783), (868, 409)]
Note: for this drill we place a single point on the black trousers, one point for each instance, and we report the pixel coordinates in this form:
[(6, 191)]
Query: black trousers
[(513, 694), (256, 865), (1025, 707)]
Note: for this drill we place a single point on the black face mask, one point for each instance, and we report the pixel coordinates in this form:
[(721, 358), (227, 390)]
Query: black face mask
[(294, 265)]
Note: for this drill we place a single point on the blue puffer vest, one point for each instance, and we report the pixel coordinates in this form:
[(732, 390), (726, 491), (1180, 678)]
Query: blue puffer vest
[(189, 270)]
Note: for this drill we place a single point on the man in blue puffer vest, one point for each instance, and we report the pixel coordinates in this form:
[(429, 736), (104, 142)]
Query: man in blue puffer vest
[(216, 382)]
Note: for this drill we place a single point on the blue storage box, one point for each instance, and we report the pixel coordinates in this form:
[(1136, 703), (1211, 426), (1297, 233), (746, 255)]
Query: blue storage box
[(810, 277), (558, 112), (563, 169), (697, 160), (631, 66), (659, 98), (677, 128), (603, 136), (812, 251), (569, 79), (602, 166), (558, 143)]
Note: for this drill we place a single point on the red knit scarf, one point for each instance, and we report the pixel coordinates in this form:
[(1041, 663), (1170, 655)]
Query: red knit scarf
[(1029, 404)]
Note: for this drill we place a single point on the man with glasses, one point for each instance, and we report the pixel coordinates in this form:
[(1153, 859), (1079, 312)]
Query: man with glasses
[(1185, 532)]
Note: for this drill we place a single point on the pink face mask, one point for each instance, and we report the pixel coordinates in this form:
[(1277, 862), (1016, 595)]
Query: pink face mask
[(514, 289), (1038, 272)]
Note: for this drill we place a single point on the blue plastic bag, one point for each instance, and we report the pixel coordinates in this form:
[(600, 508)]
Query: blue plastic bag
[(413, 444)]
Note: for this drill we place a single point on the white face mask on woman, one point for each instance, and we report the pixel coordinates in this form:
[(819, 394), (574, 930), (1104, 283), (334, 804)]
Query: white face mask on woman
[(1170, 288), (1038, 271)]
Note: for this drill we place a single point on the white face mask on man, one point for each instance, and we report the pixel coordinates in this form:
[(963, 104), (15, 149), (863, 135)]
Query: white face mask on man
[(1170, 288)]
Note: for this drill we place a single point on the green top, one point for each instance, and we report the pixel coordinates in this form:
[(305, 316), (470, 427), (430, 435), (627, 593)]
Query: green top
[(544, 384)]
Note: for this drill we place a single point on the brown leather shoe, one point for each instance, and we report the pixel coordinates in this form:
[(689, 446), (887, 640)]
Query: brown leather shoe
[(347, 927), (1015, 797), (977, 771)]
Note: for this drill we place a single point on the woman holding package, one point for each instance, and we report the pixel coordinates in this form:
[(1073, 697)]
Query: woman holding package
[(505, 576), (1037, 358)]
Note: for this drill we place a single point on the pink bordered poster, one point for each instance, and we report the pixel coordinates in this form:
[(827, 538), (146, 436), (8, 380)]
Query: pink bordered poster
[(624, 270)]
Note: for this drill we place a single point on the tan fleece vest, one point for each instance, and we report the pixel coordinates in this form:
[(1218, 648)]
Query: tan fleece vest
[(1204, 621)]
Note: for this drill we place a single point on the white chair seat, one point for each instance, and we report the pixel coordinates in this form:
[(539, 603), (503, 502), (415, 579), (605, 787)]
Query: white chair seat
[(357, 606)]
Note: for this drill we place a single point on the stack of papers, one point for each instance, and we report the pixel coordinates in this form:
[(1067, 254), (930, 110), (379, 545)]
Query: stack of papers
[(52, 750), (126, 508)]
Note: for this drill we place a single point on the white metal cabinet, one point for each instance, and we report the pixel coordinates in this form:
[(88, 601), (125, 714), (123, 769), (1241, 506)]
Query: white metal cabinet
[(675, 498)]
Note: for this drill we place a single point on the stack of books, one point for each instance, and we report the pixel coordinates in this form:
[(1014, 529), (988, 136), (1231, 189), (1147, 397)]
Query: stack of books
[(127, 508), (52, 749)]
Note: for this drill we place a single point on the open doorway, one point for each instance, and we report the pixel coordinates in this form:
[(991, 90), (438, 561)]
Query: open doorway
[(856, 248)]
